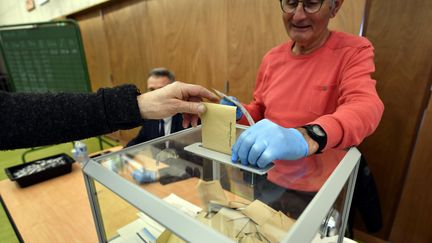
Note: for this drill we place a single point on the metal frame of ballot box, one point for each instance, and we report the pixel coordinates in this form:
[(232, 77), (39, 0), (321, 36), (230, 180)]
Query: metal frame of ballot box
[(189, 229)]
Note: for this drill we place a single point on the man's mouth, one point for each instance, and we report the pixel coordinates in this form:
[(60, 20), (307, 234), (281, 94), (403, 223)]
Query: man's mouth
[(300, 26)]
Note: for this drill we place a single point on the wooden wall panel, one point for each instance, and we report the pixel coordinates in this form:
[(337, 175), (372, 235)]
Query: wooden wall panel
[(188, 37), (96, 49), (413, 219), (350, 17), (402, 38), (254, 27), (120, 24)]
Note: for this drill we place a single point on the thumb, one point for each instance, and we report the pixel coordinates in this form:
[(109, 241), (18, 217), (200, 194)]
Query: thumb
[(191, 107)]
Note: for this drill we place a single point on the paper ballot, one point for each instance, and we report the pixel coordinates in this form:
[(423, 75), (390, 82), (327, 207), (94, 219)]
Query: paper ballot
[(218, 127)]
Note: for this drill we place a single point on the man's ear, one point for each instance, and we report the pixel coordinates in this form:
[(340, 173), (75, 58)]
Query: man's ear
[(336, 7)]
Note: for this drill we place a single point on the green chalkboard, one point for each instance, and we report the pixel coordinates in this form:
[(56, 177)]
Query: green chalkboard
[(43, 57)]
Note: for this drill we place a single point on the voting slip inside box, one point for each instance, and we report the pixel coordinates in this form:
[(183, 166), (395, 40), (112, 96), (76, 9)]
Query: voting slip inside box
[(242, 221), (40, 170), (253, 222)]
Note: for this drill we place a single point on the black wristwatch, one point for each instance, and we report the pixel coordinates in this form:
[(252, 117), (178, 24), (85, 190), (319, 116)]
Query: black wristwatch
[(318, 135)]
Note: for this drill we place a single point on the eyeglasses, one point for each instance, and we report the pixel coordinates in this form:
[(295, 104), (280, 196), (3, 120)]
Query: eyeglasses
[(309, 6)]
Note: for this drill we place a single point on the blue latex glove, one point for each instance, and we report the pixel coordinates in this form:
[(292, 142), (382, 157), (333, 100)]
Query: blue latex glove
[(144, 176), (266, 141), (224, 101)]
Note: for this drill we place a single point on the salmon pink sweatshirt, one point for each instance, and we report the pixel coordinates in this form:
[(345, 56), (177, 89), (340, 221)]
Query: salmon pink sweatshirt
[(331, 87)]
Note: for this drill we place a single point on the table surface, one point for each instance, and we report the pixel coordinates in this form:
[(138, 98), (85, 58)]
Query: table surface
[(56, 210)]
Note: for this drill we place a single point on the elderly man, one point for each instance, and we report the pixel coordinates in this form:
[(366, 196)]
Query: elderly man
[(158, 78), (312, 93)]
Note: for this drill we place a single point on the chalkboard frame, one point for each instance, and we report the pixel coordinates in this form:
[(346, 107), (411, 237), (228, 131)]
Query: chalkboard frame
[(42, 84)]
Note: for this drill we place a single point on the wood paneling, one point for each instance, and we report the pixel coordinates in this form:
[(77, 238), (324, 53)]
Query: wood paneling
[(96, 49), (360, 236), (413, 219), (254, 27), (120, 25), (188, 37), (350, 17), (402, 38)]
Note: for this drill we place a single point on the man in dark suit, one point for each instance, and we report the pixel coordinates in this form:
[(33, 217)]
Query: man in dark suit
[(158, 78)]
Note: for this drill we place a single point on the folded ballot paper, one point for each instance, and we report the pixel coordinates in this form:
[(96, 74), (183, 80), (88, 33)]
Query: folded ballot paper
[(254, 222), (241, 221)]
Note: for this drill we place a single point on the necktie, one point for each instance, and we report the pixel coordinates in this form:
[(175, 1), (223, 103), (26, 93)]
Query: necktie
[(161, 128)]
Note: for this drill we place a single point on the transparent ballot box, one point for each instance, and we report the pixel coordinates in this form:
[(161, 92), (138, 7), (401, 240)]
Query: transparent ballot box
[(171, 189)]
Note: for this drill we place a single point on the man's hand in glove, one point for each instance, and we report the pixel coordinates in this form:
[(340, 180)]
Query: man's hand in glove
[(266, 141)]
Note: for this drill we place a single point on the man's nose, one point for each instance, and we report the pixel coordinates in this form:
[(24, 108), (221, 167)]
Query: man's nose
[(299, 13)]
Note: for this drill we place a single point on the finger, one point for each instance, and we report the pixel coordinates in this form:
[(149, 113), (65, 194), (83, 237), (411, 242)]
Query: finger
[(189, 90), (186, 120), (245, 148), (194, 120), (237, 145), (190, 107), (257, 149), (195, 99), (266, 158)]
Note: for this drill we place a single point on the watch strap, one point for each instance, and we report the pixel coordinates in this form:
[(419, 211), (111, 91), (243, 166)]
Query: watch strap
[(321, 140)]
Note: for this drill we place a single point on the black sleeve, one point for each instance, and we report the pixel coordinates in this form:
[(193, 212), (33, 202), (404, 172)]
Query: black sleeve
[(31, 119)]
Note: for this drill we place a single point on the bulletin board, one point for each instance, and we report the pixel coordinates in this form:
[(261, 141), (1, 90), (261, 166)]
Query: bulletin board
[(42, 57)]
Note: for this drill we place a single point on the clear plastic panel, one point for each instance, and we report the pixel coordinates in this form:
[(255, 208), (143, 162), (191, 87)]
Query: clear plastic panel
[(237, 203)]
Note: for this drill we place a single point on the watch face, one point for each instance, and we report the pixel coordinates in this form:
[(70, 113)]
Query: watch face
[(318, 131)]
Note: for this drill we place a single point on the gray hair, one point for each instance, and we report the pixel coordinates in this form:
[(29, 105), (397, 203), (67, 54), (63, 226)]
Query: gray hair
[(162, 72)]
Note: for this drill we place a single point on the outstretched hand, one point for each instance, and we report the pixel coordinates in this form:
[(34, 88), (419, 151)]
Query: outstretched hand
[(266, 141), (175, 98)]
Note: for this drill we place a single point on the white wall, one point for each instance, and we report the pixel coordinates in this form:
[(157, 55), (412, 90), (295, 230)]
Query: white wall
[(14, 11)]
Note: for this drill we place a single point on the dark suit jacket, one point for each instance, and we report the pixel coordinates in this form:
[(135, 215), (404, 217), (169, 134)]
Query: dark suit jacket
[(150, 130)]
